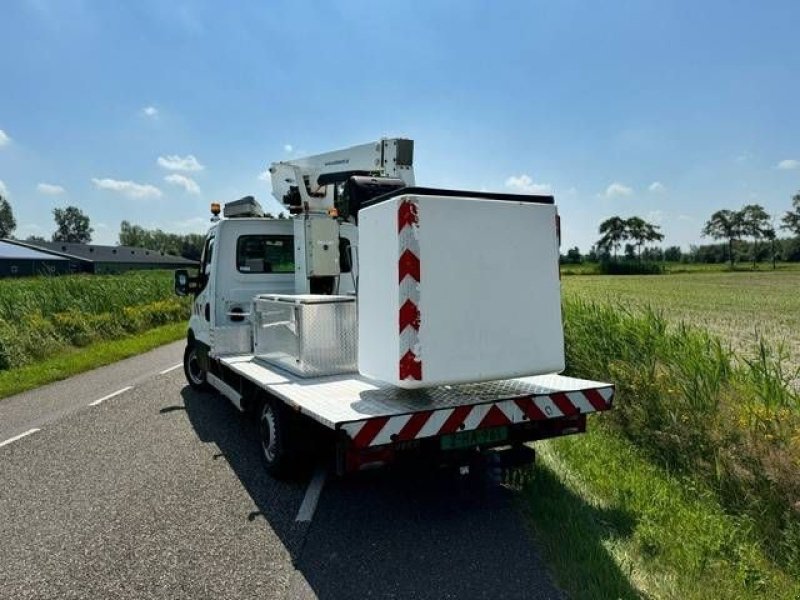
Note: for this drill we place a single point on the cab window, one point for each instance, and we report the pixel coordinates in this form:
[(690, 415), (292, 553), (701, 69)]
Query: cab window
[(205, 258), (265, 254)]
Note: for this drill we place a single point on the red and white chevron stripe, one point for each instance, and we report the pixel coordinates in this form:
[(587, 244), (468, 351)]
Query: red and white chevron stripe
[(409, 277), (428, 423)]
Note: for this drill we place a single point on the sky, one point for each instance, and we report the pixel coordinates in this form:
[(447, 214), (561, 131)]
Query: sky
[(148, 111)]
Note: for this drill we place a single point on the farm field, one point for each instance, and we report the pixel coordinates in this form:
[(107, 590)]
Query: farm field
[(690, 487), (741, 306), (41, 317)]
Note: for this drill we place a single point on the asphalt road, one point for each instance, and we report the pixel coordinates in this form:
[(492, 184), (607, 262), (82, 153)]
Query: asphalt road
[(159, 492)]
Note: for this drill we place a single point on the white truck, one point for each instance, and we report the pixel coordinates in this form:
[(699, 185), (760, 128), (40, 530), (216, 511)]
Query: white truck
[(385, 320)]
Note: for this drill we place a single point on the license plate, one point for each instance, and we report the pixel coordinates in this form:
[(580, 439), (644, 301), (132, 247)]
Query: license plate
[(476, 437)]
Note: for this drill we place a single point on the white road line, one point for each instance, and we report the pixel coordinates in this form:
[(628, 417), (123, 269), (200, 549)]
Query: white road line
[(18, 437), (117, 393), (165, 371), (309, 504)]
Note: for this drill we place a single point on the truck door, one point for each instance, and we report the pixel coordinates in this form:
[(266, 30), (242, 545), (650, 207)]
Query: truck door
[(202, 310)]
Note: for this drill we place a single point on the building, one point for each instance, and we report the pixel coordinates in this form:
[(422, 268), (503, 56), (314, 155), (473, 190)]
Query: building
[(18, 261), (92, 258)]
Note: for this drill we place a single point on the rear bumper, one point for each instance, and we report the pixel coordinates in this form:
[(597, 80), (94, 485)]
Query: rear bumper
[(375, 441), (514, 411), (351, 458)]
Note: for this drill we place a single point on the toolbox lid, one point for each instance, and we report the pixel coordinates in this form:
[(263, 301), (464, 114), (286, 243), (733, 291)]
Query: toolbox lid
[(305, 298)]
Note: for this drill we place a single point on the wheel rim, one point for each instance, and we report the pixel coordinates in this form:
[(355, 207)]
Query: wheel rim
[(268, 433), (194, 369)]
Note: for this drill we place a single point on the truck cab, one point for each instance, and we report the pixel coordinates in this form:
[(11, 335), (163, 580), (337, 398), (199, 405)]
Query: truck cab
[(244, 256)]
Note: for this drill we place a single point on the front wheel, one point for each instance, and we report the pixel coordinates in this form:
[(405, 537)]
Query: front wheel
[(195, 373)]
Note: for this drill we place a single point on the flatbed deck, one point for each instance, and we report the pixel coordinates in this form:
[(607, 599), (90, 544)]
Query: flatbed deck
[(348, 401)]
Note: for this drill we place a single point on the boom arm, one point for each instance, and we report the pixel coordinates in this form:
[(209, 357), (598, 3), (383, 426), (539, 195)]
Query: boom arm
[(310, 181)]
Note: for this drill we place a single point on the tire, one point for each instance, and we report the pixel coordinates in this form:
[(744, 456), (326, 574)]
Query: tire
[(274, 436), (195, 374)]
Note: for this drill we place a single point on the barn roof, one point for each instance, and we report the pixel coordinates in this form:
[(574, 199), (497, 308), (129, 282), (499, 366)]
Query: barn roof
[(106, 254), (13, 251)]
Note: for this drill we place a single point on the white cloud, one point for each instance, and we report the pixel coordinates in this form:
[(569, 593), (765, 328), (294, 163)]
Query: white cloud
[(128, 188), (657, 186), (265, 176), (655, 216), (150, 111), (27, 229), (523, 183), (187, 183), (685, 218), (616, 190), (789, 164), (192, 225), (173, 162), (49, 189), (3, 189), (4, 139), (288, 148)]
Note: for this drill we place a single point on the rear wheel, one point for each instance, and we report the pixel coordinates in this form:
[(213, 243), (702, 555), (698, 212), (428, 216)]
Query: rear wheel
[(273, 433), (195, 373)]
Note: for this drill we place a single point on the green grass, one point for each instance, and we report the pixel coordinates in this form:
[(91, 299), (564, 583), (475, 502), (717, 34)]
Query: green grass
[(90, 294), (676, 267), (42, 317), (694, 480), (612, 524), (77, 360)]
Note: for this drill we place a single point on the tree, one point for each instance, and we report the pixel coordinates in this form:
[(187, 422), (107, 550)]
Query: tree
[(72, 226), (791, 220), (35, 238), (755, 221), (134, 235), (614, 232), (630, 251), (7, 221), (725, 225), (642, 232), (574, 256), (673, 254), (653, 254), (771, 235)]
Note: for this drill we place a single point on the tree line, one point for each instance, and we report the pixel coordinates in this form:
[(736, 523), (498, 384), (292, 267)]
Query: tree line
[(188, 246), (753, 222), (72, 225), (749, 231), (616, 230)]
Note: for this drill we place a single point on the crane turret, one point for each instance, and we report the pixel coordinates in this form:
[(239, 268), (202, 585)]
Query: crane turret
[(314, 184)]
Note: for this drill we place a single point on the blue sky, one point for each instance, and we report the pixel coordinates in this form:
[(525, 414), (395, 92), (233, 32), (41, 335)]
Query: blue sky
[(667, 110)]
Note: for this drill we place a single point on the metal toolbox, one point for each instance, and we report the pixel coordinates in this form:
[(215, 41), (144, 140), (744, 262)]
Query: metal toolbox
[(307, 334)]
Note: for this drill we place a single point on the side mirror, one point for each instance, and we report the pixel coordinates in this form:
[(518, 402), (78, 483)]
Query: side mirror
[(185, 284)]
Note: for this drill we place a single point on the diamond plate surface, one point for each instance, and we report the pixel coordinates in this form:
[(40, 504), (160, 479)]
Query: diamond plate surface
[(342, 398), (308, 338)]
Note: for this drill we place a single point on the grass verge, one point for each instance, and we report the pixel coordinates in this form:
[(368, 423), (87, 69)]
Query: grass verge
[(689, 488), (612, 524), (77, 360)]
